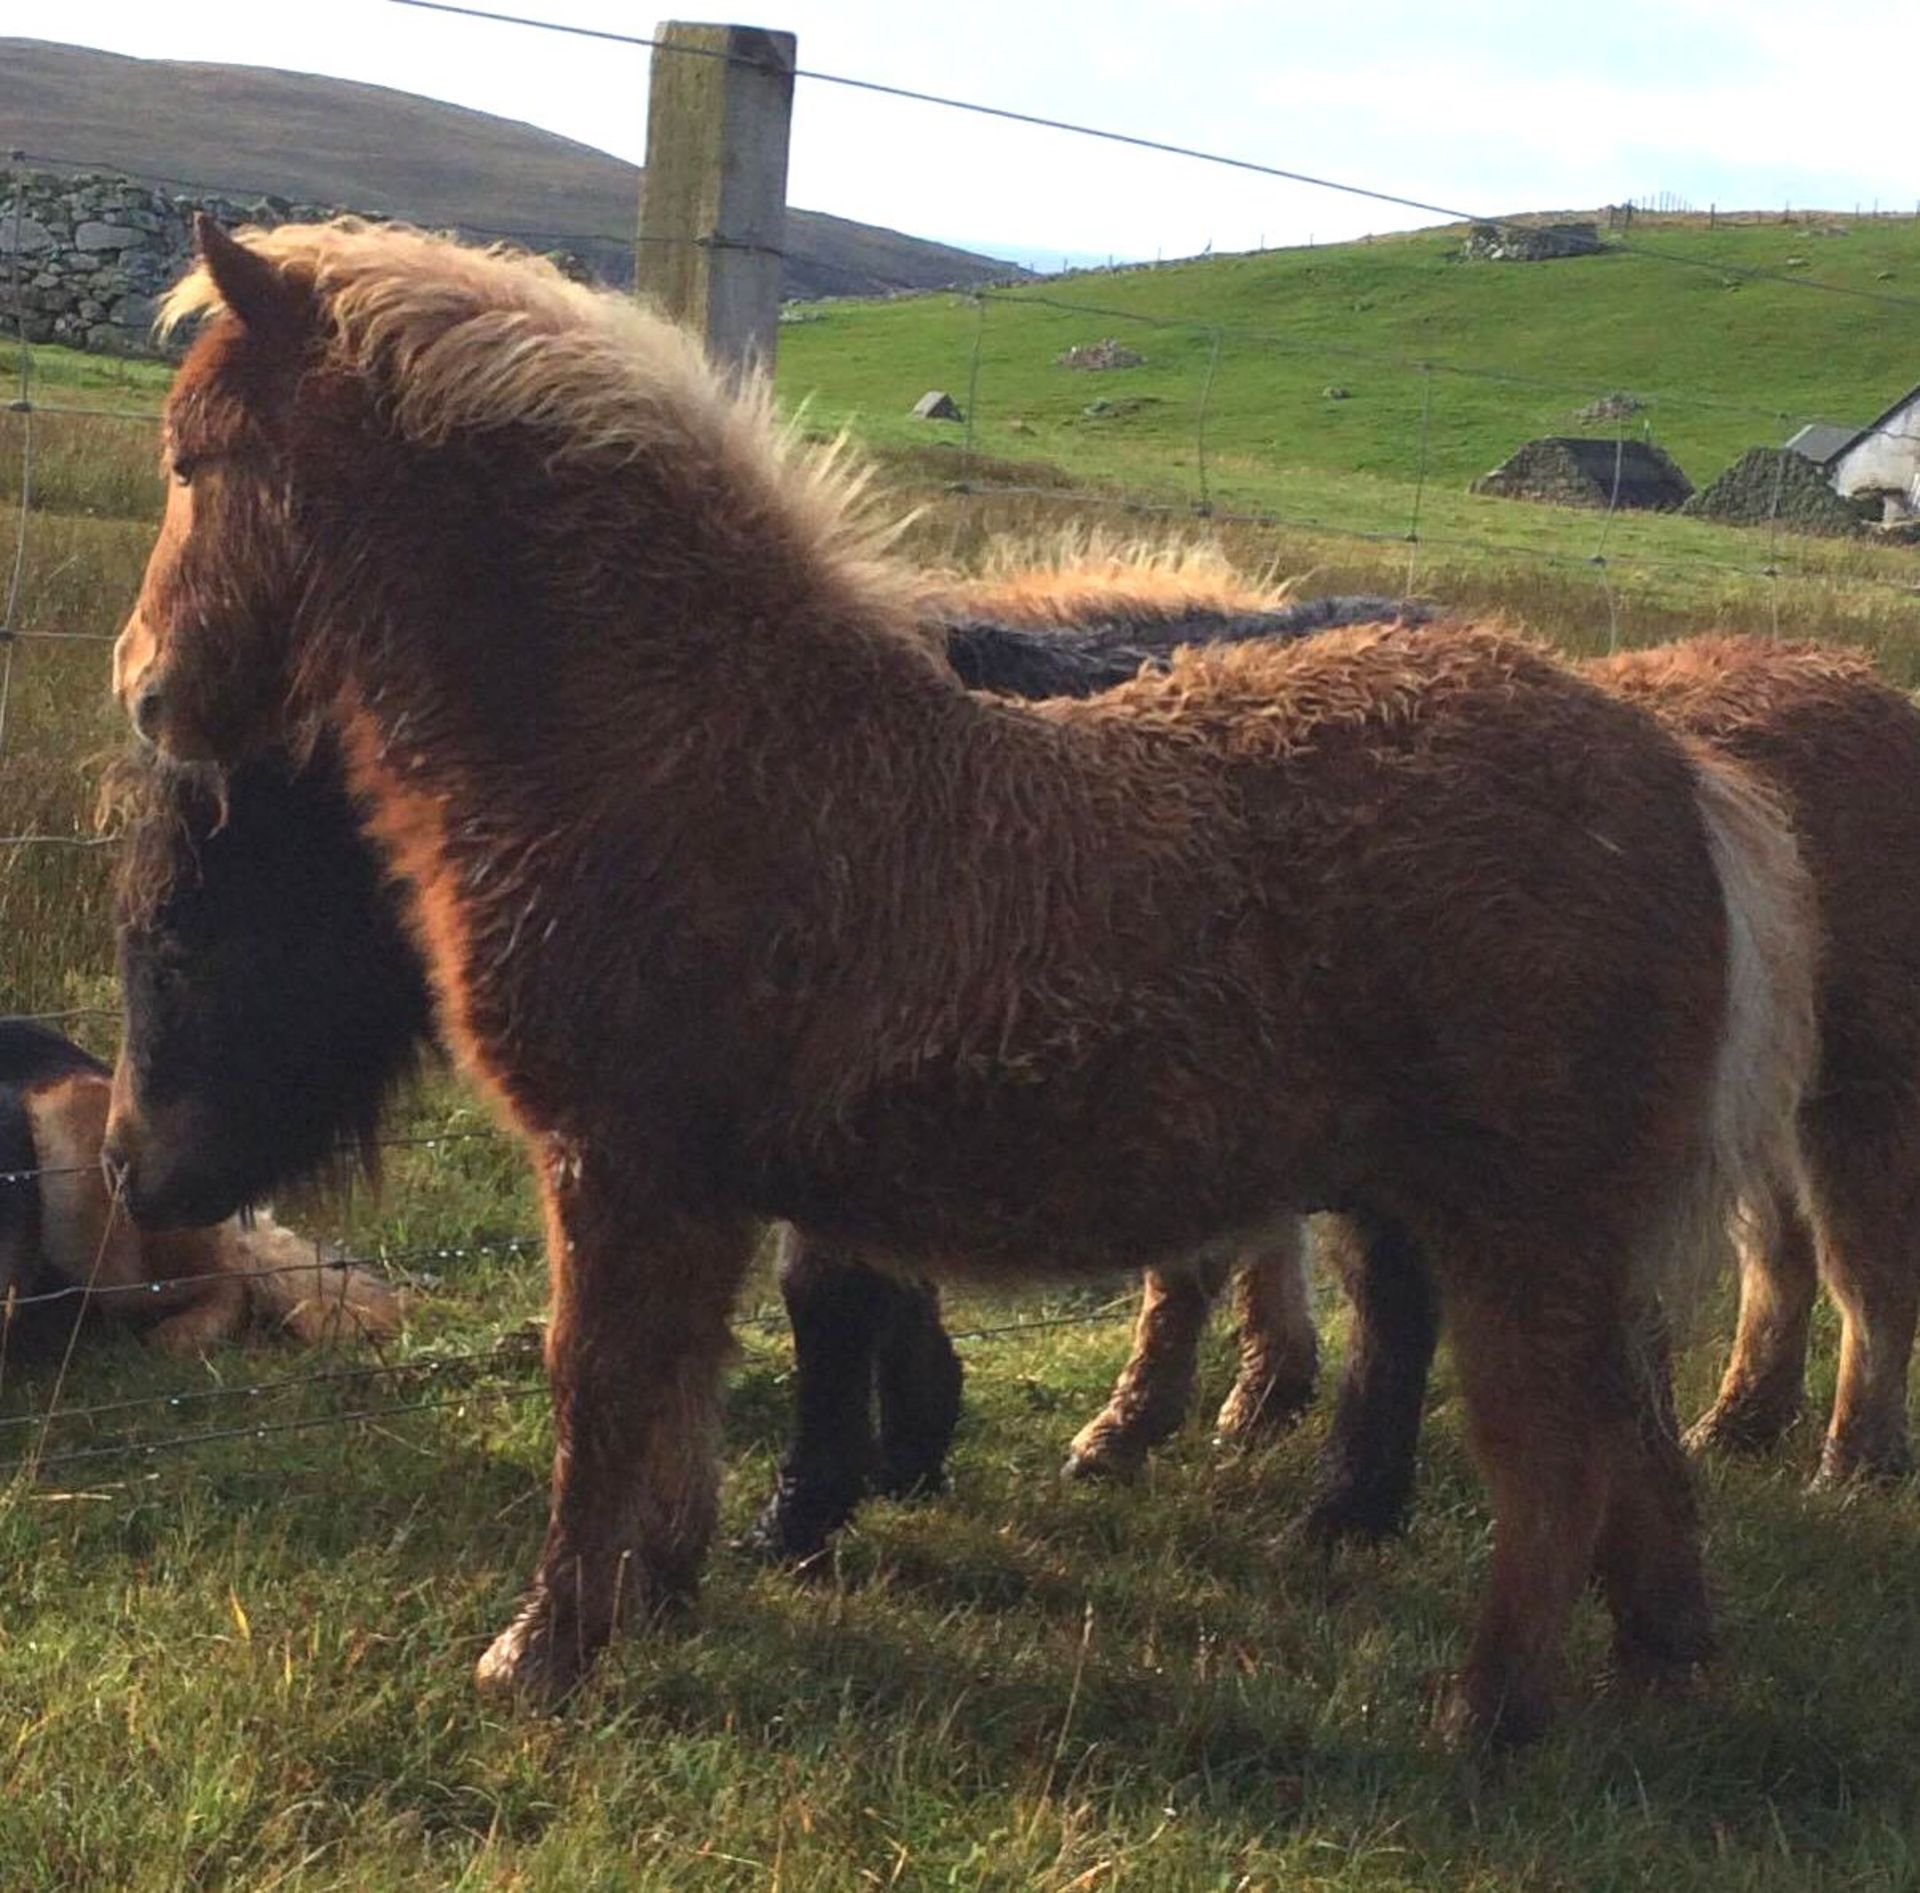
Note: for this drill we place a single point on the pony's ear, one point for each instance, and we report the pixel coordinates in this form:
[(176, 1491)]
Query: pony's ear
[(257, 293)]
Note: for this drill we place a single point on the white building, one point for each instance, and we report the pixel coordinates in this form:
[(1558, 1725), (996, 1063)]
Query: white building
[(1880, 460)]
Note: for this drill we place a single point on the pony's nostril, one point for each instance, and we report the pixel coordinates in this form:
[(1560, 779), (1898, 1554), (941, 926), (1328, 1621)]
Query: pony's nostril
[(147, 708)]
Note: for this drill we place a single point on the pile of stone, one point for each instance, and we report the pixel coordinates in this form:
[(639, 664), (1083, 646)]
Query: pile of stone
[(1775, 484), (1616, 406), (1576, 471), (1105, 353), (91, 253), (1531, 243)]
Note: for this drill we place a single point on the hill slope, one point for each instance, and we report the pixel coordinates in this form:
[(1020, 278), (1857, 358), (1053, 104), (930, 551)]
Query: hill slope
[(329, 141), (1722, 360)]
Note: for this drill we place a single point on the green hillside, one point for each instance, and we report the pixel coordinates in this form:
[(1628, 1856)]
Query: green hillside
[(1723, 360)]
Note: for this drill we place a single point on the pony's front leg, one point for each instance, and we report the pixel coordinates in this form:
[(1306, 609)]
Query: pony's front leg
[(1279, 1349), (839, 1311), (1151, 1397), (635, 1347), (1365, 1481)]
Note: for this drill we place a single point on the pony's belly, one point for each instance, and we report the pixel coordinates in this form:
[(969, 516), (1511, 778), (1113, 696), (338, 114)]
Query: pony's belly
[(1091, 1205)]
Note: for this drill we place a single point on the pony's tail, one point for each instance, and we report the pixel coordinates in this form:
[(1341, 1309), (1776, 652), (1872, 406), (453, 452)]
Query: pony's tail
[(294, 1289), (1750, 1161)]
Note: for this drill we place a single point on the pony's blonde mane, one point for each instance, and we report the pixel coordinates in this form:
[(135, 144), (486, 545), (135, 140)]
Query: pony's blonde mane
[(459, 339)]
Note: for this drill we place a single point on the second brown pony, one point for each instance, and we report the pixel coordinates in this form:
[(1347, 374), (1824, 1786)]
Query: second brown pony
[(1841, 747), (739, 906)]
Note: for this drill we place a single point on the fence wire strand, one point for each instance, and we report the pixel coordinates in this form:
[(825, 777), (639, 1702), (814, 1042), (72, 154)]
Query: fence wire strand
[(1450, 213)]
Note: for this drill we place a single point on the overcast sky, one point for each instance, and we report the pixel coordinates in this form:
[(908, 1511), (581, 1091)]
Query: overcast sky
[(1480, 105)]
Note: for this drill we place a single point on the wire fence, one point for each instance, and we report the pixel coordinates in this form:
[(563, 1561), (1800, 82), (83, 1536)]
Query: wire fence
[(502, 1372)]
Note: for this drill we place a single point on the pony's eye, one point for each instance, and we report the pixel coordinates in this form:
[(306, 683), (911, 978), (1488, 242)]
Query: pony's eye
[(182, 467)]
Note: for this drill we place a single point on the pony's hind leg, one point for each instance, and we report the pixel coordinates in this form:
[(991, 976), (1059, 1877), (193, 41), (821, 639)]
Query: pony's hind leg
[(1870, 1258), (1760, 1393), (1279, 1351), (1546, 1379), (1365, 1479), (917, 1376), (1648, 1557), (635, 1346), (1151, 1397), (838, 1309)]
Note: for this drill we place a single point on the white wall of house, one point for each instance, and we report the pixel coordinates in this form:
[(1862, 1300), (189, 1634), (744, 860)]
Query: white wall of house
[(1888, 460)]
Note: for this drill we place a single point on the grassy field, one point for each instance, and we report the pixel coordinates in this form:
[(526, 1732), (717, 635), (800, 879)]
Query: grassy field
[(243, 1663)]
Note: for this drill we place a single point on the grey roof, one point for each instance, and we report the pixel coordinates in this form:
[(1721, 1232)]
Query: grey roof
[(1823, 443)]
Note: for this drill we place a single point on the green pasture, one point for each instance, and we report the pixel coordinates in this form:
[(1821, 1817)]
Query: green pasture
[(243, 1663)]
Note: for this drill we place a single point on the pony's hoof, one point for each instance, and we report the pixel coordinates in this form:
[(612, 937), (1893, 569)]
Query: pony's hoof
[(529, 1666), (910, 1483), (1258, 1410), (1739, 1428), (1332, 1522), (1103, 1459), (797, 1524), (1848, 1462), (1471, 1716), (1655, 1674)]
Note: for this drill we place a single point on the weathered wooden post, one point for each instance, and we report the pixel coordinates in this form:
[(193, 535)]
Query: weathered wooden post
[(714, 204)]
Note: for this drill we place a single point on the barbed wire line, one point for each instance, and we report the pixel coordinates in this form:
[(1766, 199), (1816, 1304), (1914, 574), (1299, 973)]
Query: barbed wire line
[(1448, 212), (59, 841), (396, 1264), (423, 1141), (153, 1447), (62, 637), (50, 1413), (147, 1446), (146, 417), (1203, 506), (1598, 558), (10, 607), (520, 1352), (513, 1351), (1420, 481)]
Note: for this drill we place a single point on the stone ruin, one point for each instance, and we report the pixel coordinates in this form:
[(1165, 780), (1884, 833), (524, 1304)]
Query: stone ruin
[(1775, 485), (1531, 243), (1093, 356), (1578, 471)]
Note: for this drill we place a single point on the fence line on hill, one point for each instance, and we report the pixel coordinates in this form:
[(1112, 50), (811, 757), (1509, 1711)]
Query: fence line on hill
[(1204, 505)]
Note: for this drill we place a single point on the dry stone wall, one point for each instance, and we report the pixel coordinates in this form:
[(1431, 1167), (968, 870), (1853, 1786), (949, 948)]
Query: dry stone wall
[(89, 254)]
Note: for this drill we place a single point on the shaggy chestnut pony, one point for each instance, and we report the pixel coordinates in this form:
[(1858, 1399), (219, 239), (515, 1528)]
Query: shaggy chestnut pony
[(1841, 747), (740, 906), (60, 1229), (273, 999)]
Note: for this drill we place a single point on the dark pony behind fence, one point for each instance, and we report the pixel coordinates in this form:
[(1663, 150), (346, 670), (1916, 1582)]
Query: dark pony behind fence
[(739, 906)]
